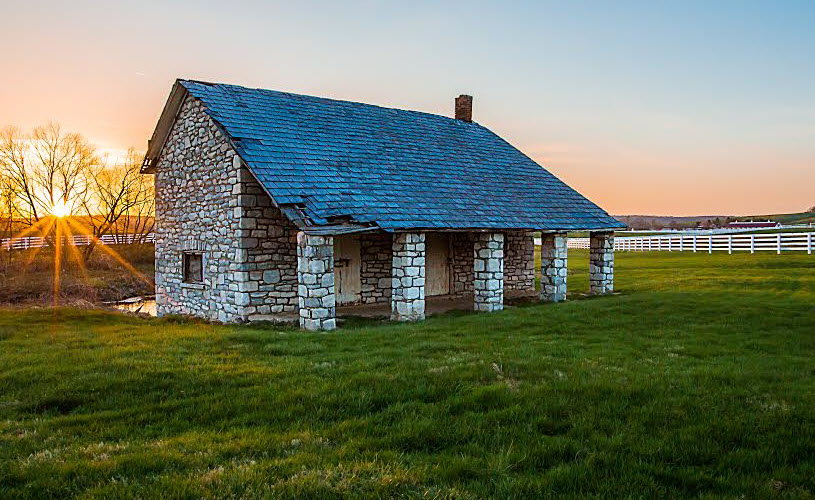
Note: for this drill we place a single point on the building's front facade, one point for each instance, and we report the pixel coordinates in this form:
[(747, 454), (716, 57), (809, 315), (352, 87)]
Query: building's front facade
[(243, 234)]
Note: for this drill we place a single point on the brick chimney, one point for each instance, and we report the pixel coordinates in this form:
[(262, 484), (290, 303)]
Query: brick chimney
[(464, 108)]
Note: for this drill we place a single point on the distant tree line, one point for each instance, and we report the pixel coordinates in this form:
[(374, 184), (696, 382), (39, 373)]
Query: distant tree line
[(48, 172)]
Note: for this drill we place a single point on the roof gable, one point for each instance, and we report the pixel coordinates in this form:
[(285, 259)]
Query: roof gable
[(397, 169)]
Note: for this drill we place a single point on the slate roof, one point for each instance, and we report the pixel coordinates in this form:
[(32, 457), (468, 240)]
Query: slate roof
[(393, 168)]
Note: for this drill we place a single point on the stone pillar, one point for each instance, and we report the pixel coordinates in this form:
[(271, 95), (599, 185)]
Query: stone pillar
[(315, 276), (554, 267), (488, 267), (601, 263), (408, 277)]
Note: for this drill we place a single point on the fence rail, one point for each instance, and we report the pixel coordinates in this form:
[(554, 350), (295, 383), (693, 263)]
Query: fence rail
[(76, 240), (777, 242)]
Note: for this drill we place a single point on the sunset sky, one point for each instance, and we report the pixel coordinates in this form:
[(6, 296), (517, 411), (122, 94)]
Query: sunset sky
[(684, 109)]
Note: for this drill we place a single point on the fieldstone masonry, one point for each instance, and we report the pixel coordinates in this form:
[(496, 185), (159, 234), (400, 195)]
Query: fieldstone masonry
[(488, 266), (554, 271), (194, 178), (315, 276), (375, 267), (601, 263), (461, 262), (209, 203), (408, 277), (519, 261)]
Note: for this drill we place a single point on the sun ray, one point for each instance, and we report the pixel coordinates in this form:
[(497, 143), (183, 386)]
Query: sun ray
[(57, 262), (34, 227), (121, 260), (36, 250), (74, 252)]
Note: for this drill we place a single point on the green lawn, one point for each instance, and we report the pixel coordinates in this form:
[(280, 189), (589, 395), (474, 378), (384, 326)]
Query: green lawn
[(697, 380)]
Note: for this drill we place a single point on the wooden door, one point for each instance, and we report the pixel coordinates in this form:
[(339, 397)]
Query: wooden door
[(347, 283), (437, 264)]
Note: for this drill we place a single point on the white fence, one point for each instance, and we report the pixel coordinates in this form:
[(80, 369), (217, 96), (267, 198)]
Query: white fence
[(76, 240), (720, 230), (777, 242)]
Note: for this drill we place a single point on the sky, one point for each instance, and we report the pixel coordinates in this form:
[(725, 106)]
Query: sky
[(652, 107)]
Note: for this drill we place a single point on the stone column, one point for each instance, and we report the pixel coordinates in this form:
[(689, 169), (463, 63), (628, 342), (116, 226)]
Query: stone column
[(315, 276), (488, 267), (408, 278), (601, 263), (554, 269)]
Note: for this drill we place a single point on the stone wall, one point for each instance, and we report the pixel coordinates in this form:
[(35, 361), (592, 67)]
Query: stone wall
[(461, 258), (267, 263), (408, 279), (554, 266), (195, 212), (488, 257), (519, 261), (208, 203), (601, 263), (375, 267)]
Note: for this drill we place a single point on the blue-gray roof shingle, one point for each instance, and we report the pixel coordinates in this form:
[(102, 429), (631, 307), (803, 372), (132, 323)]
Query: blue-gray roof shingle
[(393, 168)]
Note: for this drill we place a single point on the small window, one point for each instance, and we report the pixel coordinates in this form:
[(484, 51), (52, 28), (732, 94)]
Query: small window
[(193, 268)]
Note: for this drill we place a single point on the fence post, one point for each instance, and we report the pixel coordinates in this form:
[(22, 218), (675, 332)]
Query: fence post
[(752, 243), (694, 243), (729, 244), (681, 246), (778, 239), (710, 244), (649, 243), (809, 243)]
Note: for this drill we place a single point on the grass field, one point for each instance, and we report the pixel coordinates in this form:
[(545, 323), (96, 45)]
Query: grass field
[(697, 380), (29, 277)]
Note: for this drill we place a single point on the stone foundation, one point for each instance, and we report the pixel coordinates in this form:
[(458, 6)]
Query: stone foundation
[(315, 274), (408, 277), (488, 266), (554, 270), (601, 263)]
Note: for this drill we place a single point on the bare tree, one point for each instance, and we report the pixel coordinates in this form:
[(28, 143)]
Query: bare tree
[(14, 167), (114, 196), (62, 161), (7, 212), (45, 168)]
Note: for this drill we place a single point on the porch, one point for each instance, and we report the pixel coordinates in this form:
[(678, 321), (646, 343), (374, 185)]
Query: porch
[(406, 276)]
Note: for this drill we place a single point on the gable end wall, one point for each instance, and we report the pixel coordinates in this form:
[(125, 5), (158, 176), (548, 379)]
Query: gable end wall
[(206, 202)]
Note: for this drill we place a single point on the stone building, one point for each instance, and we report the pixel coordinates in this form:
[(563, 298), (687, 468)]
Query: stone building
[(274, 204)]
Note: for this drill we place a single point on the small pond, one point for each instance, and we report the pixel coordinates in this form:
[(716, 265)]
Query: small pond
[(143, 305)]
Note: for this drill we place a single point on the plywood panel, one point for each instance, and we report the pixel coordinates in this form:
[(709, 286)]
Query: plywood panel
[(437, 262), (347, 282)]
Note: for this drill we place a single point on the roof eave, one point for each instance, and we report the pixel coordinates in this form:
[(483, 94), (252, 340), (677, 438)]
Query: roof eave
[(163, 127)]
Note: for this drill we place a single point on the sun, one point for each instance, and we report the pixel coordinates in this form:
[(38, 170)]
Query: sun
[(60, 209)]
